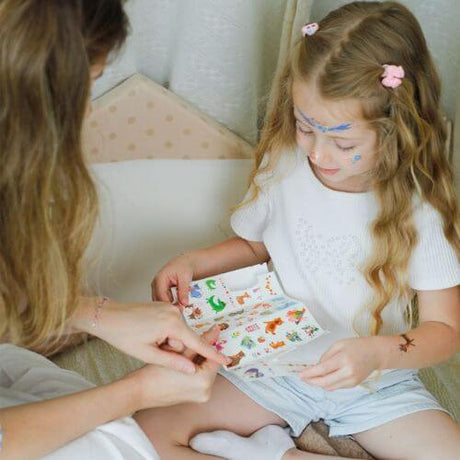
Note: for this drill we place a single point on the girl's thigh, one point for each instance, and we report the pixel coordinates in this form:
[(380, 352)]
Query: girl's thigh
[(228, 409), (427, 434)]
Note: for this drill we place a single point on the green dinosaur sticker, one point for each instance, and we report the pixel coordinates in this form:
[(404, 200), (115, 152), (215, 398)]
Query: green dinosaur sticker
[(211, 284), (218, 305)]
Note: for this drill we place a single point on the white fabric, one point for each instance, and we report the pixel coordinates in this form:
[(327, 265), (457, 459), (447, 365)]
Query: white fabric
[(219, 55), (26, 377), (318, 238), (152, 210)]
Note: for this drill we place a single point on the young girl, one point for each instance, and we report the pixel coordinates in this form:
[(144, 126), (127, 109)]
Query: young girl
[(353, 201)]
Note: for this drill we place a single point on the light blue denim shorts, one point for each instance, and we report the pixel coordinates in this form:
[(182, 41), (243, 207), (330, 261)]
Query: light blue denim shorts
[(348, 411)]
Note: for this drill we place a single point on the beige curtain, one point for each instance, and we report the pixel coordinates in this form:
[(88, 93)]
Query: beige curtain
[(296, 15), (219, 55)]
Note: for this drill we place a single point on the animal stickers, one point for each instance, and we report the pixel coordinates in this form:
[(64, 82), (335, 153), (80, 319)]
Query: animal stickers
[(256, 323), (271, 326)]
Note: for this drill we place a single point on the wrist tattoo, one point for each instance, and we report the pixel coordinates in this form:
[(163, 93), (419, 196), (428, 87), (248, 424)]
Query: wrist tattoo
[(409, 343)]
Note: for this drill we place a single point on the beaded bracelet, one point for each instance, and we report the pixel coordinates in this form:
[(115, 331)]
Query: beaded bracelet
[(97, 312)]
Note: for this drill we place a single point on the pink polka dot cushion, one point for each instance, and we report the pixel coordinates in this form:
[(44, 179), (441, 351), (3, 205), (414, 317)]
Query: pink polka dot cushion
[(140, 119)]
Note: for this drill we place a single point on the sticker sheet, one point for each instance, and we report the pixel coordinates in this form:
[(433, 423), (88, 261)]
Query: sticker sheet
[(258, 324)]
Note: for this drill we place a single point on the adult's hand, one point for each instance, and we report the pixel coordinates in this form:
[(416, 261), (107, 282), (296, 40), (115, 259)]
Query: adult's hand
[(152, 332), (159, 386)]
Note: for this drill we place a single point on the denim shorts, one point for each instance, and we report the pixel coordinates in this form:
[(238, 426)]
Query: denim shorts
[(395, 394)]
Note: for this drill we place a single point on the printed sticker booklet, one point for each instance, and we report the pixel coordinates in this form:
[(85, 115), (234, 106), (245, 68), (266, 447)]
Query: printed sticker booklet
[(259, 323)]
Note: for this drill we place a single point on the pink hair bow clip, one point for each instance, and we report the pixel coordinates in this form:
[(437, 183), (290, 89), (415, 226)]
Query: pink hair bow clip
[(310, 29), (392, 75)]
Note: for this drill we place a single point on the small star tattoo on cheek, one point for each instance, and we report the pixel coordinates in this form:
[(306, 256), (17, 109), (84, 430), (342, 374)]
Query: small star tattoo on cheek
[(409, 343)]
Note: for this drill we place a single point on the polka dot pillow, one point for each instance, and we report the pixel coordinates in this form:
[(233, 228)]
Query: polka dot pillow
[(140, 119)]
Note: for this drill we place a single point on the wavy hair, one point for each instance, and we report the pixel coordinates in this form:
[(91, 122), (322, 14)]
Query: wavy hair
[(48, 201), (345, 58)]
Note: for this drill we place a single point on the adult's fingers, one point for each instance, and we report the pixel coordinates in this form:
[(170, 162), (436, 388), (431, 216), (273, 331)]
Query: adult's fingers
[(201, 346), (204, 364), (210, 337), (169, 359), (173, 345)]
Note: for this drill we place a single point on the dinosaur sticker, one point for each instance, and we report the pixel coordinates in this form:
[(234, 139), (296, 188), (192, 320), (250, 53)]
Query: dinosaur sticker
[(217, 305), (211, 283)]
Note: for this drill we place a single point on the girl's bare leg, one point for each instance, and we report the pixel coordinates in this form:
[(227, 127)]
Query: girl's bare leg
[(422, 435), (171, 428)]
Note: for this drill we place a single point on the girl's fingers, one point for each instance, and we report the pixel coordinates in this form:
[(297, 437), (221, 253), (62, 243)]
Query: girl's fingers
[(320, 369), (335, 378), (208, 339), (333, 350), (183, 292), (161, 291)]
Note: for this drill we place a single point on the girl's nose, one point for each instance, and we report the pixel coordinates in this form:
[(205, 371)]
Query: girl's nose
[(320, 155)]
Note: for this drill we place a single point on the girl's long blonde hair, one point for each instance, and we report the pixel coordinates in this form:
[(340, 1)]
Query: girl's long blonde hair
[(48, 202), (345, 56)]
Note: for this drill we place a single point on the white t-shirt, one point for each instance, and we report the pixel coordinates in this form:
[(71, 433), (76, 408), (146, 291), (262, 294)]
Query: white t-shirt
[(318, 238), (26, 377)]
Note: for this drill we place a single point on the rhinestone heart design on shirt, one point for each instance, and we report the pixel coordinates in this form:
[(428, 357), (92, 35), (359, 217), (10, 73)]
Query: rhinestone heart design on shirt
[(335, 257)]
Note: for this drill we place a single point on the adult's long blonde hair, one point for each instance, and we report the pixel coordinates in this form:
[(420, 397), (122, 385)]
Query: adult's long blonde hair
[(48, 202), (345, 56)]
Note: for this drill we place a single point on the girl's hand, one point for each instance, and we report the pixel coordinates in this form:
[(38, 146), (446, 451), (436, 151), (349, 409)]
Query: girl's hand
[(153, 332), (346, 364), (158, 386), (178, 272)]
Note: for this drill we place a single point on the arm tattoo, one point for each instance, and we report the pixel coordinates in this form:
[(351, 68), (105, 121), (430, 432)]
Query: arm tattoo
[(409, 343)]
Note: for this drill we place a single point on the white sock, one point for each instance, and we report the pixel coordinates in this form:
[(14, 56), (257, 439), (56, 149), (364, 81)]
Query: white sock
[(269, 443)]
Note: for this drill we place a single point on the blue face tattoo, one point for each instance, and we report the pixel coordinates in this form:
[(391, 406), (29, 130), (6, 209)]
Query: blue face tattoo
[(357, 157), (322, 128)]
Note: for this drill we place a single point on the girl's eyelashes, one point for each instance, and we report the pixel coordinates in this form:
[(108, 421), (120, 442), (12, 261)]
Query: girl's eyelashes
[(346, 149), (301, 130)]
